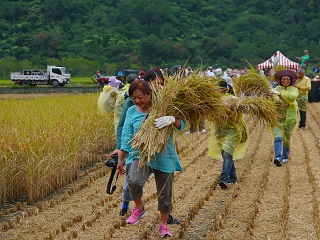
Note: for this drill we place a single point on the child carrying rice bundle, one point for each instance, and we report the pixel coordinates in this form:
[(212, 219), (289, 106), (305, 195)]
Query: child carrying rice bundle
[(228, 140)]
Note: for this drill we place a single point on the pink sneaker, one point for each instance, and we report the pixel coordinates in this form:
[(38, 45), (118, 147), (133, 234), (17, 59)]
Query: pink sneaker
[(164, 231), (136, 215)]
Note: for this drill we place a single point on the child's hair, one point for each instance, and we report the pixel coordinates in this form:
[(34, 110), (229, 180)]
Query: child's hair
[(142, 85), (131, 77), (151, 74), (223, 84)]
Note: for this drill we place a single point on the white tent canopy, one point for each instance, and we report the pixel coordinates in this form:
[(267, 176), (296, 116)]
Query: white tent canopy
[(283, 61)]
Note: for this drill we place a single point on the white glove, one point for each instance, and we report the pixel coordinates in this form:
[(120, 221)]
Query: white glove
[(274, 91), (164, 121)]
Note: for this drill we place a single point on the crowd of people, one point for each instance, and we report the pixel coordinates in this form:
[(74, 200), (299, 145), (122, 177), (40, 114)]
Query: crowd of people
[(227, 143)]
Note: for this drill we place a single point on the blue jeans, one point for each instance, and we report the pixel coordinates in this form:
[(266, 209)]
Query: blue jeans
[(280, 151), (228, 167), (285, 153)]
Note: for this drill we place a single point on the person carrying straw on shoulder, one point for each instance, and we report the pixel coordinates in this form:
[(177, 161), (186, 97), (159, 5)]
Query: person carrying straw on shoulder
[(228, 140), (163, 164), (282, 133)]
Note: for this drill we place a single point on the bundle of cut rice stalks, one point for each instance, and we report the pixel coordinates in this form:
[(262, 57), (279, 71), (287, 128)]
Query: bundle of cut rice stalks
[(190, 98), (262, 108), (252, 84)]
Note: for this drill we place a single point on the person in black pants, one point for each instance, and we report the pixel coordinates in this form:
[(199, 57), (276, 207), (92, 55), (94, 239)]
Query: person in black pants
[(304, 86)]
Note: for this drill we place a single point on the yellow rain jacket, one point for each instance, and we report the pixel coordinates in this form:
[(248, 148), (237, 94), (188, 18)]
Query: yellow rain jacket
[(304, 85), (289, 120), (119, 105), (107, 99), (231, 136)]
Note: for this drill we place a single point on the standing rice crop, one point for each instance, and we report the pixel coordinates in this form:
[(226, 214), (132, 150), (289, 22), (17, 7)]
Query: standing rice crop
[(47, 140)]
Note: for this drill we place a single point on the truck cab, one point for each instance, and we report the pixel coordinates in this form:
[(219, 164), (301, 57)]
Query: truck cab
[(58, 76)]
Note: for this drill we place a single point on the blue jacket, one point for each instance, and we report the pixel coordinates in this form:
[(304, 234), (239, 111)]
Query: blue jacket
[(128, 103), (166, 161)]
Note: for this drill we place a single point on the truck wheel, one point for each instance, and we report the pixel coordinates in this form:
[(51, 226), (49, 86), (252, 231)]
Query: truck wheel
[(25, 83), (55, 83), (61, 84)]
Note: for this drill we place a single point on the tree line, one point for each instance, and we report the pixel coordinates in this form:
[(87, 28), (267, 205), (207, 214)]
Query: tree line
[(86, 35)]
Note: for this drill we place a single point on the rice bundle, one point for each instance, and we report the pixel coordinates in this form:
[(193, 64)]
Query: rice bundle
[(281, 107), (251, 84), (264, 109), (195, 98), (191, 98)]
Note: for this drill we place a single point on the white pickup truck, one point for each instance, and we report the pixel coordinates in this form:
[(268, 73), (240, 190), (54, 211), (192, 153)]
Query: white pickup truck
[(55, 76)]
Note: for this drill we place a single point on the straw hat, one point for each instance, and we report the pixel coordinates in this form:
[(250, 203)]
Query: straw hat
[(289, 73)]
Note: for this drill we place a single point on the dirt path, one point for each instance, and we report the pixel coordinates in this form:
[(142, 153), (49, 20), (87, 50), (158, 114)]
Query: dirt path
[(268, 202)]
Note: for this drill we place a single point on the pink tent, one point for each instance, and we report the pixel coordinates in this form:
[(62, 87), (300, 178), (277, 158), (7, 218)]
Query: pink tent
[(283, 61)]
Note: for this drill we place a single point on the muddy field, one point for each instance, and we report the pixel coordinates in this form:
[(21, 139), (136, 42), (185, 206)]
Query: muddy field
[(268, 202)]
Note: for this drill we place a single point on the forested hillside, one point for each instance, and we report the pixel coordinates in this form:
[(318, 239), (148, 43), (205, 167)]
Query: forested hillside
[(87, 35)]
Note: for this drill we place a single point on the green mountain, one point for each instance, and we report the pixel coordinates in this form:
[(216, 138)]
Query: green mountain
[(86, 35)]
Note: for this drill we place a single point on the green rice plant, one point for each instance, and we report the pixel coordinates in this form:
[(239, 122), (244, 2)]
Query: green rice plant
[(81, 81), (6, 83)]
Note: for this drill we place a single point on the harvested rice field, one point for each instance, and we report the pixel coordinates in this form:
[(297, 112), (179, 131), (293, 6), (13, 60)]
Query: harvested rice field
[(268, 202)]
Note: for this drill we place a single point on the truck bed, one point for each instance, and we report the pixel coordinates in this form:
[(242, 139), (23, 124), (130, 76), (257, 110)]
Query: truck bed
[(19, 76)]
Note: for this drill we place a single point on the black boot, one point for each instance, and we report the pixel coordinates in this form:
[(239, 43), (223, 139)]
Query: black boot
[(172, 220), (123, 212)]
